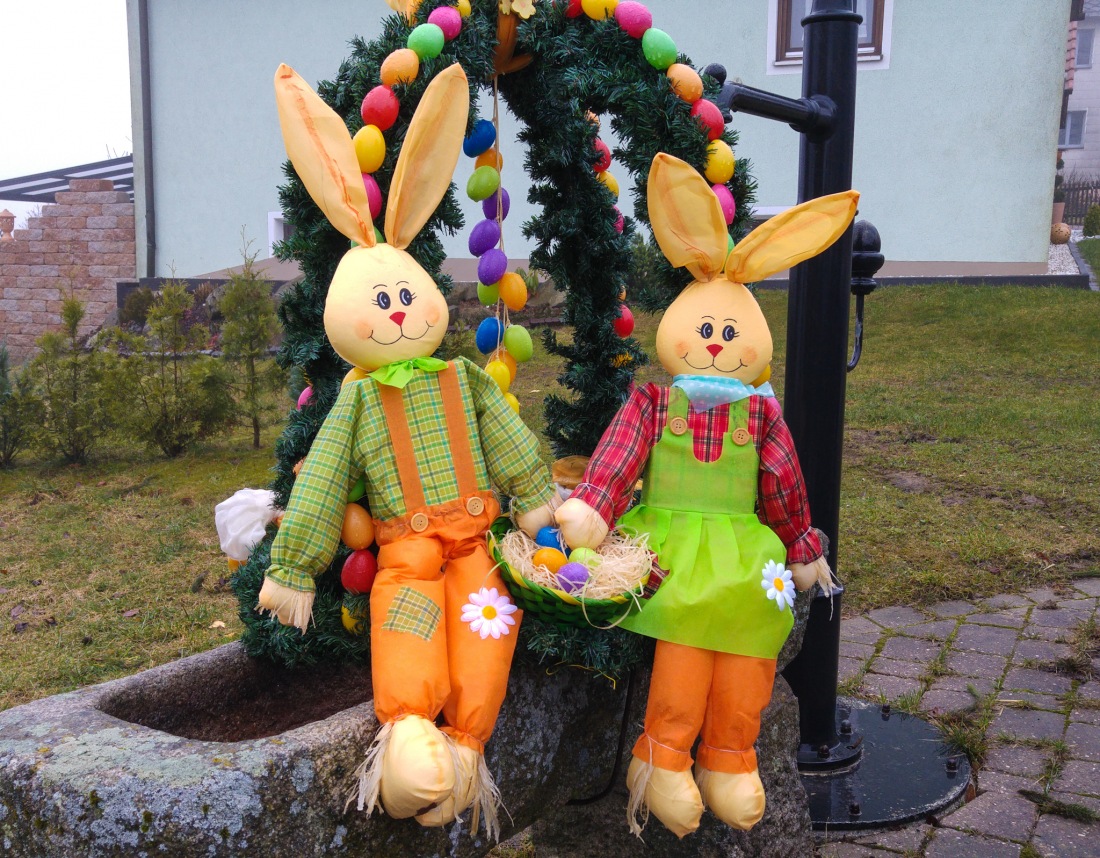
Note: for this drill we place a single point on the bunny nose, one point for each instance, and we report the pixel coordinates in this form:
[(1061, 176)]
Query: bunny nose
[(714, 348), (398, 318)]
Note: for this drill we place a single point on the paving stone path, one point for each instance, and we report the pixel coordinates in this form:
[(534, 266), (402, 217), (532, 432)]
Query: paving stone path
[(1008, 664)]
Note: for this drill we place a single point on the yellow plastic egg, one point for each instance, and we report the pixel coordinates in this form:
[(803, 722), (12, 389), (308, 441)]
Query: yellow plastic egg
[(610, 181), (513, 291), (370, 148), (506, 359), (498, 371), (355, 624), (686, 82), (764, 376), (402, 66), (490, 158), (354, 374), (720, 162), (358, 529), (551, 558), (463, 7), (511, 400), (599, 9)]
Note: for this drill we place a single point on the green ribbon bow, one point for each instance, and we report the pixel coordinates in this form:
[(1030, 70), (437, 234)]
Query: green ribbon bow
[(400, 372)]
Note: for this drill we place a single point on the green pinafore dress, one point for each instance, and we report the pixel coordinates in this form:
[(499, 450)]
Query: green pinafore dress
[(702, 524)]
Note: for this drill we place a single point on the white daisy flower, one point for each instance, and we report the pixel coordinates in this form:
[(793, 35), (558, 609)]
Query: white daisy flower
[(489, 613), (777, 581)]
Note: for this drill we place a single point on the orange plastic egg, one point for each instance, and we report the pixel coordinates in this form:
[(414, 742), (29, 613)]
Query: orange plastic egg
[(490, 158), (402, 66), (686, 82), (358, 529), (513, 291), (551, 558), (505, 358)]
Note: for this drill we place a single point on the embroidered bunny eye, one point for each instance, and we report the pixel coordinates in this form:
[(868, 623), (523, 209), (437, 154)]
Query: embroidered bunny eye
[(406, 297), (706, 330), (382, 299), (728, 333)]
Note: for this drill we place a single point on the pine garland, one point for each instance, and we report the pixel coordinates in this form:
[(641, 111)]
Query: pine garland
[(580, 65)]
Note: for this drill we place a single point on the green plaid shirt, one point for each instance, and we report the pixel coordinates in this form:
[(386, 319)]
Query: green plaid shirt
[(354, 440)]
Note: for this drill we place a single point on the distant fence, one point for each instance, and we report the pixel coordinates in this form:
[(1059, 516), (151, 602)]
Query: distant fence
[(1081, 192)]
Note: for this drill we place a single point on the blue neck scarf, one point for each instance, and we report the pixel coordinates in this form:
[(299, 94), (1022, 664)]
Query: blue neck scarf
[(707, 391)]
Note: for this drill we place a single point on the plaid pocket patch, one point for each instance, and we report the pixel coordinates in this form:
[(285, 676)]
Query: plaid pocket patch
[(413, 612)]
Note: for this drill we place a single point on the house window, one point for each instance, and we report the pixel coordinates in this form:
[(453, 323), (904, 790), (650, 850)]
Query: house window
[(277, 230), (1072, 135), (1084, 48), (788, 48)]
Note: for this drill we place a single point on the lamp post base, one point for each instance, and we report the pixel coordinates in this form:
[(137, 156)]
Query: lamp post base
[(904, 773)]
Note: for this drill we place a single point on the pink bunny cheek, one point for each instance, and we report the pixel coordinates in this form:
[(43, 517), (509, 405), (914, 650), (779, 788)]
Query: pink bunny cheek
[(363, 330), (432, 315), (749, 355)]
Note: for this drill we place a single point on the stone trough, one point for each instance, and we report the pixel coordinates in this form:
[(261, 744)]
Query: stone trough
[(220, 754)]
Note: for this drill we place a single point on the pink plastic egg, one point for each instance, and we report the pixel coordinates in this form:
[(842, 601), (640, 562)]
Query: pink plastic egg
[(374, 195), (634, 18), (605, 157), (620, 222), (448, 19), (729, 205), (709, 117), (305, 397)]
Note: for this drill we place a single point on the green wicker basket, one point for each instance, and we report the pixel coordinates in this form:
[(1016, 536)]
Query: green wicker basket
[(556, 606)]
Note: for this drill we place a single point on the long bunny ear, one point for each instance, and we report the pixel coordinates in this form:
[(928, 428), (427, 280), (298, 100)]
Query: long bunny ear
[(320, 147), (686, 217), (428, 155), (791, 237)]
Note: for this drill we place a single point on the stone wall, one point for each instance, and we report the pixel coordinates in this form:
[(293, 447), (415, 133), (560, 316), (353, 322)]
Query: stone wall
[(81, 245)]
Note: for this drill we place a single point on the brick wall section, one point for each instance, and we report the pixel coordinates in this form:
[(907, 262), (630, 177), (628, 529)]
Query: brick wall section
[(82, 244)]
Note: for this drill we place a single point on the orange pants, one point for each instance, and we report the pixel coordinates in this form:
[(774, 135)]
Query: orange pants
[(424, 658), (697, 691)]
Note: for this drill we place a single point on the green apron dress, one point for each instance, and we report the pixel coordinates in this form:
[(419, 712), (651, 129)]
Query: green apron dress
[(702, 524)]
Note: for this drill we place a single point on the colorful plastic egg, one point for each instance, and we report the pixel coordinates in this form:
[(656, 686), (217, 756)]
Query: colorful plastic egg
[(512, 401), (490, 158), (725, 197), (481, 138), (634, 18), (305, 397), (574, 9), (355, 624), (686, 82), (597, 10), (551, 558), (720, 162), (358, 572), (358, 529), (484, 236), (448, 19), (374, 195), (488, 294), (370, 148), (550, 537), (659, 49), (498, 372), (708, 116), (518, 343), (492, 265), (427, 40), (610, 182), (464, 8), (380, 107), (729, 244), (572, 577), (505, 358), (587, 557), (604, 161), (487, 337), (483, 183), (620, 221), (513, 291), (489, 204), (358, 489), (402, 66), (624, 323)]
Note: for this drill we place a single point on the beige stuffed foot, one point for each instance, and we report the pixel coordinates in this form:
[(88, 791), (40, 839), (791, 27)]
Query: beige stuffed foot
[(462, 796), (417, 769), (737, 800), (671, 796)]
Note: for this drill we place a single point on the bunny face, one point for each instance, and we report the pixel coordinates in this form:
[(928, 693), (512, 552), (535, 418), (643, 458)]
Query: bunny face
[(715, 328), (383, 307)]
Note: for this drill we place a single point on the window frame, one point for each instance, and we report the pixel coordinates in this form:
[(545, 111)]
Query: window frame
[(1080, 41), (785, 55), (1064, 141)]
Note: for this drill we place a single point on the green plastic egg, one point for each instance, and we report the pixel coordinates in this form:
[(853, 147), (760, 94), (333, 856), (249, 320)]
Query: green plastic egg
[(487, 295), (518, 343), (483, 183), (427, 40), (659, 49)]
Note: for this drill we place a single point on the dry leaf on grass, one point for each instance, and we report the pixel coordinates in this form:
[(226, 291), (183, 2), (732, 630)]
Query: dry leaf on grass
[(217, 624)]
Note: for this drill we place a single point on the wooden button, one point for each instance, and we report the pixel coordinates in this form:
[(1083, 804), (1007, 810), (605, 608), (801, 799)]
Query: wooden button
[(419, 522), (741, 436), (475, 506), (677, 425)]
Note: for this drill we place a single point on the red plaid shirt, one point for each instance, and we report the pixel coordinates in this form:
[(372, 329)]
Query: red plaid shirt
[(624, 449)]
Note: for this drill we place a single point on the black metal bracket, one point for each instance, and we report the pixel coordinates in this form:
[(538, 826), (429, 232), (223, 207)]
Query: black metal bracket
[(866, 261)]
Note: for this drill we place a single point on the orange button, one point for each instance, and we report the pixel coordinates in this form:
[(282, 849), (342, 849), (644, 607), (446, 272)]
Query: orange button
[(741, 436), (475, 506), (419, 522), (677, 425)]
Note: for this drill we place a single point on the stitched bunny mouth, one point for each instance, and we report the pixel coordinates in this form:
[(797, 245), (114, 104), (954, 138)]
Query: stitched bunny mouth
[(714, 365), (401, 335)]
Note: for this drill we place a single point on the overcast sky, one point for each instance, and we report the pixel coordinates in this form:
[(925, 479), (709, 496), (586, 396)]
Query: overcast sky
[(64, 86)]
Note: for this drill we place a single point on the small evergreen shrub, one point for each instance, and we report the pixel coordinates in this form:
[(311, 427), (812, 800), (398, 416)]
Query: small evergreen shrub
[(1092, 220), (135, 310), (20, 411)]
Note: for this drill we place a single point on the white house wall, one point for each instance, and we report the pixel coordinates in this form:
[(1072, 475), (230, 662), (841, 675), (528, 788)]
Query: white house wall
[(954, 139)]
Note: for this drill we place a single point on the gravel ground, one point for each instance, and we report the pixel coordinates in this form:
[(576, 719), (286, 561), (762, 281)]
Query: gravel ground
[(1060, 261)]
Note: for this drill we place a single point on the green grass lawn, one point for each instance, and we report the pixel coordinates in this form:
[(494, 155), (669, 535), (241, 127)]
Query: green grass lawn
[(971, 468)]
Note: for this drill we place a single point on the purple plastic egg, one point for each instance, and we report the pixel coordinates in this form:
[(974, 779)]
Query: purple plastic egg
[(725, 197), (448, 19), (572, 576), (484, 236), (374, 195), (489, 205), (491, 266)]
